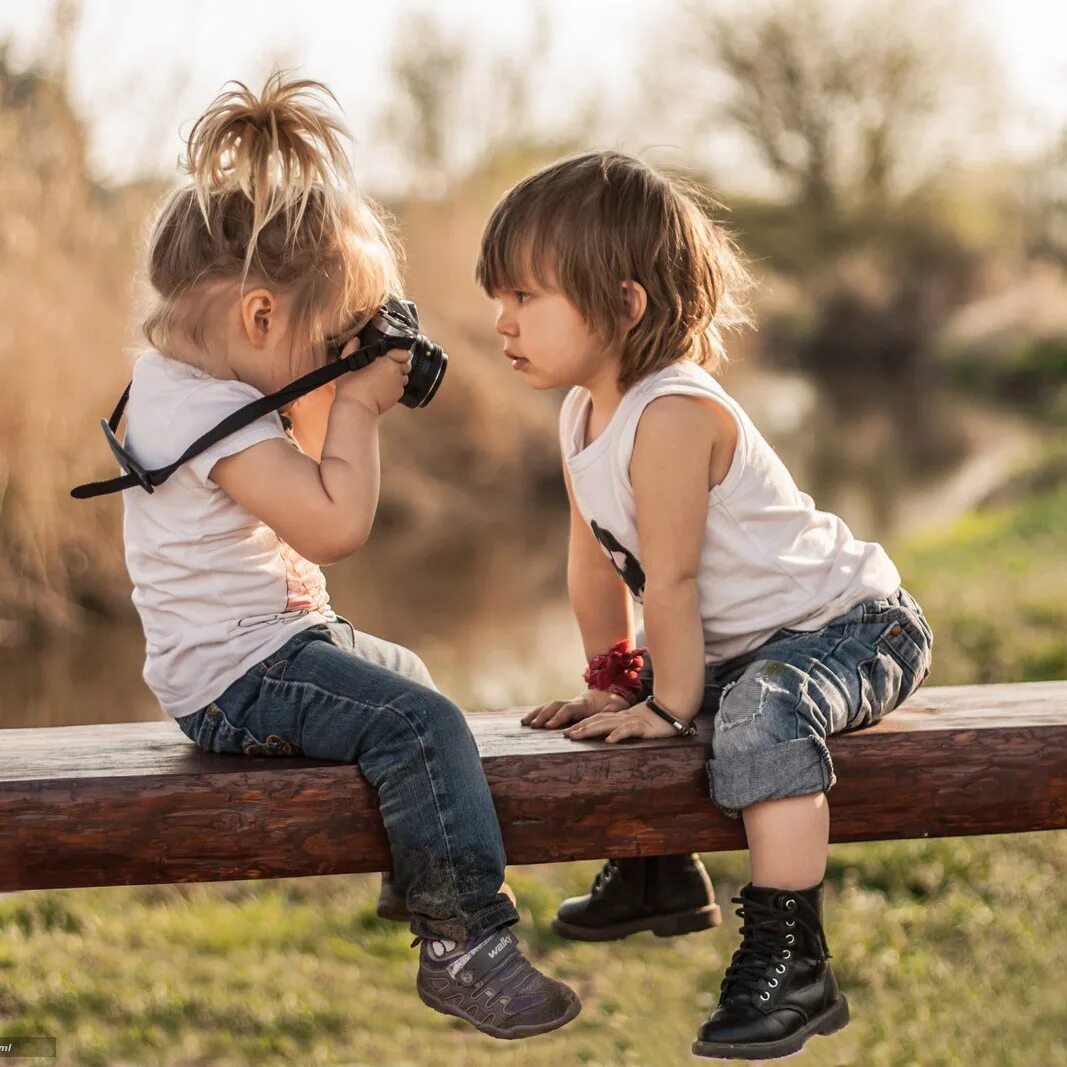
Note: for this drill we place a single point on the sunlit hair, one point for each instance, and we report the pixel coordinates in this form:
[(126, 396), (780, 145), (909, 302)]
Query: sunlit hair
[(587, 224), (272, 202)]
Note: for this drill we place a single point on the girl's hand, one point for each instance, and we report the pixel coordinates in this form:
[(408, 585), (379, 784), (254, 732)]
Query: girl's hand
[(614, 726), (557, 713), (379, 385)]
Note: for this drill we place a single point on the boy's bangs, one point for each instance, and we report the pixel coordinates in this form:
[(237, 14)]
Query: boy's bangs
[(515, 253)]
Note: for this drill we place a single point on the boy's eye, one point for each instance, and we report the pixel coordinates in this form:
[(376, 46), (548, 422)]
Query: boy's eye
[(521, 295)]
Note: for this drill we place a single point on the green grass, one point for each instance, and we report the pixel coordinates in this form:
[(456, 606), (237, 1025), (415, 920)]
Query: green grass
[(994, 587), (952, 952)]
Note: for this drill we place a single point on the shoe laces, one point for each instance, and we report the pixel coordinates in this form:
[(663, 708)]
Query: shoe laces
[(768, 938), (604, 875)]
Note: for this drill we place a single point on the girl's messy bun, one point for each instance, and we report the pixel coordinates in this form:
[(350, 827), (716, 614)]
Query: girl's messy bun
[(271, 149), (272, 197)]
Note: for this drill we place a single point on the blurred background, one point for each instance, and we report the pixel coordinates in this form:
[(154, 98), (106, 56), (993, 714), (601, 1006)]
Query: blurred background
[(896, 173)]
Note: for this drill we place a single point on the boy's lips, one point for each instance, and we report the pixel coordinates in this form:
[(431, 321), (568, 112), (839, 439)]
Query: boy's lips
[(517, 361)]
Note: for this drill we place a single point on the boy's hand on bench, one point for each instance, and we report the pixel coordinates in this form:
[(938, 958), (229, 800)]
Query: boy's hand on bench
[(637, 721), (557, 713)]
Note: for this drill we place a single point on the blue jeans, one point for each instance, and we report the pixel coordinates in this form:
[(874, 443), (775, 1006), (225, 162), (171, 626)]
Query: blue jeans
[(333, 693), (775, 706)]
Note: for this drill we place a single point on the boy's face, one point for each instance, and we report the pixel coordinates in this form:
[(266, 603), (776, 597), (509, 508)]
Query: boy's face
[(548, 341)]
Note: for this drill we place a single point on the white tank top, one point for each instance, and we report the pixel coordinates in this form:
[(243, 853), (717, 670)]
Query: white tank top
[(770, 559)]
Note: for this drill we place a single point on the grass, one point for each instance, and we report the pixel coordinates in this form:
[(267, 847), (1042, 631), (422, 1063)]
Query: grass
[(993, 586), (951, 952)]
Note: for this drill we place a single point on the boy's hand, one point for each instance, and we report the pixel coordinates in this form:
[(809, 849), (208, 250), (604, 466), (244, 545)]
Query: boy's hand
[(557, 713), (637, 721), (380, 384)]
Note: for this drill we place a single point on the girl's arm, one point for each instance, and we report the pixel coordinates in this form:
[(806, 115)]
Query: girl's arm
[(310, 415), (323, 509)]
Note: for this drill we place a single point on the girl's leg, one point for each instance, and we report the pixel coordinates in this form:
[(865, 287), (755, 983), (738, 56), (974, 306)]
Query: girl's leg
[(315, 698)]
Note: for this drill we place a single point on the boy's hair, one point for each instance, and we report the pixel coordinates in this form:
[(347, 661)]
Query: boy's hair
[(589, 223), (272, 202)]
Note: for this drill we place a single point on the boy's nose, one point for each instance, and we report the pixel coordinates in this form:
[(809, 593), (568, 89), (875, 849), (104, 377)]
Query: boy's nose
[(505, 324)]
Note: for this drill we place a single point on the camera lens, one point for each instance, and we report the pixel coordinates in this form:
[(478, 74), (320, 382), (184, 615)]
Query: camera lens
[(428, 366)]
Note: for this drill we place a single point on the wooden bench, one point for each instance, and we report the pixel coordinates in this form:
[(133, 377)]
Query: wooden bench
[(126, 804)]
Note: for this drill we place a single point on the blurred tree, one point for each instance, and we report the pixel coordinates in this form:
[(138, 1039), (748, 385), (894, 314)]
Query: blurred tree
[(861, 113), (460, 109), (850, 105), (1044, 203)]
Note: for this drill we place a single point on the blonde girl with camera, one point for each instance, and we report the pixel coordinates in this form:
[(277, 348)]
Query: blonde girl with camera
[(267, 252)]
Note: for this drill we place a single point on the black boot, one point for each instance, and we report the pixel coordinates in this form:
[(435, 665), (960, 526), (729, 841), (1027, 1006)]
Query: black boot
[(778, 989), (665, 894)]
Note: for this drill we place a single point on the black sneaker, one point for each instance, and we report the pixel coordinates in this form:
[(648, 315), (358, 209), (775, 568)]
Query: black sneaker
[(779, 989), (668, 895), (492, 986)]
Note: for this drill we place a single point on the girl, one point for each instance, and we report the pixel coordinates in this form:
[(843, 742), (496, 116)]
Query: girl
[(758, 609), (252, 265)]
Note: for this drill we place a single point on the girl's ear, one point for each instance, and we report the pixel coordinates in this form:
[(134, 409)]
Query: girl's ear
[(257, 316), (636, 299)]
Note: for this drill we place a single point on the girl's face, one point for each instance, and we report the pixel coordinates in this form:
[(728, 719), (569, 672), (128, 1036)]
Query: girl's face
[(548, 341)]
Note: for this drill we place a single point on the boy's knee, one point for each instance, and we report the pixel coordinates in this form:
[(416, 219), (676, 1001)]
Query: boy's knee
[(760, 708), (769, 740)]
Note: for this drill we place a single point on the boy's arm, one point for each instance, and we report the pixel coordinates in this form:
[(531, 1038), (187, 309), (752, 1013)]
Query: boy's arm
[(598, 595), (670, 472), (602, 607)]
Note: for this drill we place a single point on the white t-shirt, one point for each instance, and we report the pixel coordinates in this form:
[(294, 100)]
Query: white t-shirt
[(217, 590), (770, 559)]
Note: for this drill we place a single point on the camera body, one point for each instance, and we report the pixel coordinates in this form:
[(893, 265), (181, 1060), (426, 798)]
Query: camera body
[(396, 325)]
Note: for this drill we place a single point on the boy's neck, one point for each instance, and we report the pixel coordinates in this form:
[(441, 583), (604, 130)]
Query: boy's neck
[(604, 392)]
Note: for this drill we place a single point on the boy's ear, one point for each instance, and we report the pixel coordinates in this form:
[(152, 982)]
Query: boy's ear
[(633, 293), (257, 315)]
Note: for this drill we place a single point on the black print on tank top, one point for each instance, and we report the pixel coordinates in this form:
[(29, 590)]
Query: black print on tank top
[(629, 569)]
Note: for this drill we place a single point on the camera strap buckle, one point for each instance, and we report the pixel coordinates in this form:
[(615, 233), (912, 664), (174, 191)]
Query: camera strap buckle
[(132, 468)]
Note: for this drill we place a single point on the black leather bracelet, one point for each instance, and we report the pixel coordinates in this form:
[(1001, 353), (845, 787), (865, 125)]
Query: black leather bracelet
[(685, 729)]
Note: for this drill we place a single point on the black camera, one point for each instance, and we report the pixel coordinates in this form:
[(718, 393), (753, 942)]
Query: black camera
[(396, 325)]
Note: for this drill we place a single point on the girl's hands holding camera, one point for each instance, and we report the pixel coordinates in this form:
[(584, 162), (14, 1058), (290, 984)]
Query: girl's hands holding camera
[(378, 386), (557, 713)]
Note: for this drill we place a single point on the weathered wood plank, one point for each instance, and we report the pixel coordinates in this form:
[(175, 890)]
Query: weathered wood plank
[(136, 803)]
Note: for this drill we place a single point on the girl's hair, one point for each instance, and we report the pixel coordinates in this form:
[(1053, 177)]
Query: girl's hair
[(272, 202), (589, 223)]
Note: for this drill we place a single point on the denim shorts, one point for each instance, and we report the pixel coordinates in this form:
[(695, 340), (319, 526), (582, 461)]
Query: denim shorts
[(775, 706)]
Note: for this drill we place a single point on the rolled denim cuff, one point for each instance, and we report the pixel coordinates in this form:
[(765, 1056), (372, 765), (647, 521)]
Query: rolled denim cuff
[(500, 913), (789, 769)]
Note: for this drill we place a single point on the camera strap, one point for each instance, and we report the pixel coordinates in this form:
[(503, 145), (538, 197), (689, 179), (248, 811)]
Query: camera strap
[(135, 474)]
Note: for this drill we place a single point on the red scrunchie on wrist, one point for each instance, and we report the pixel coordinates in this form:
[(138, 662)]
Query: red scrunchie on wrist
[(618, 671)]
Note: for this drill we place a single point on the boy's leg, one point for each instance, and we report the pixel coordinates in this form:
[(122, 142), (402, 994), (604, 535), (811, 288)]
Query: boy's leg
[(667, 895), (772, 768)]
